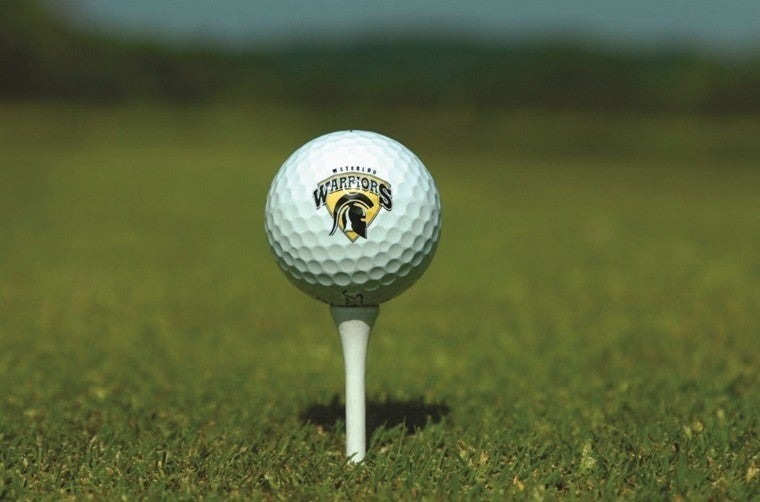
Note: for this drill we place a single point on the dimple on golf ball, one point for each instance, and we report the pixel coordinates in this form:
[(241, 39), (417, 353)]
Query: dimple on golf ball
[(353, 218)]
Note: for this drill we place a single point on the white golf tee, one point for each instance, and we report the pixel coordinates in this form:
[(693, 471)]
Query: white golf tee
[(355, 325)]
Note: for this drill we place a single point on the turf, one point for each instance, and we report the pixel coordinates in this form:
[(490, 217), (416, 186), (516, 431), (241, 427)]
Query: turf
[(588, 329)]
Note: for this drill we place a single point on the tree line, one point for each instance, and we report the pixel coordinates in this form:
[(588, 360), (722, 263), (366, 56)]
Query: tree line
[(43, 57)]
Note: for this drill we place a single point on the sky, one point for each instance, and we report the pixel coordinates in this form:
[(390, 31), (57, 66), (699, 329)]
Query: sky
[(712, 25)]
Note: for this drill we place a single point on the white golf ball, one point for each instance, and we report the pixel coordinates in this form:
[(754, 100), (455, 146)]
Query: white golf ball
[(353, 218)]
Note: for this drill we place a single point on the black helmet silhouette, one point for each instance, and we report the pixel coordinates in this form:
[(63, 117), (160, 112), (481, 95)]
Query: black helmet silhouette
[(352, 209)]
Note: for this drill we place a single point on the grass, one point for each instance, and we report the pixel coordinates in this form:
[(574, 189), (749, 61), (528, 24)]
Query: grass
[(587, 330)]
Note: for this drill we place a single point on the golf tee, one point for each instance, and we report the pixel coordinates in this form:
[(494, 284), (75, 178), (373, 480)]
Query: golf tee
[(355, 325)]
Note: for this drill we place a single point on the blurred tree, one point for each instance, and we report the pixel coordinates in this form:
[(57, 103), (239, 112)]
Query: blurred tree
[(42, 56)]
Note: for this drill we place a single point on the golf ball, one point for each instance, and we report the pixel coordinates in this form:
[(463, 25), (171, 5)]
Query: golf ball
[(353, 218)]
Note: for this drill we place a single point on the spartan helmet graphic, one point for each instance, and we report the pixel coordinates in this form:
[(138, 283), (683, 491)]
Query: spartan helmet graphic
[(350, 213)]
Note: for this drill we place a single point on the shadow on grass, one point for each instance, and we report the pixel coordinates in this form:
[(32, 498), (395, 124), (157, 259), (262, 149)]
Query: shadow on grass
[(412, 414)]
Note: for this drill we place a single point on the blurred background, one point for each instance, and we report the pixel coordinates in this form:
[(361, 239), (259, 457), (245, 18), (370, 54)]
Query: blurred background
[(648, 56)]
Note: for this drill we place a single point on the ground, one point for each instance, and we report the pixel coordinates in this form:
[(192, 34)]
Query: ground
[(587, 329)]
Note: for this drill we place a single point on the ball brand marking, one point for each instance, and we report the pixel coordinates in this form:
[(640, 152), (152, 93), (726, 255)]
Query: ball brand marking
[(356, 300), (353, 198)]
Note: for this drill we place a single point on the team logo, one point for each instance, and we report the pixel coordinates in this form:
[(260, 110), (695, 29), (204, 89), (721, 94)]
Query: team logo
[(353, 196)]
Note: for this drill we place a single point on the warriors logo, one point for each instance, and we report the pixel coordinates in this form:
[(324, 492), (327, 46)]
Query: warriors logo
[(353, 196)]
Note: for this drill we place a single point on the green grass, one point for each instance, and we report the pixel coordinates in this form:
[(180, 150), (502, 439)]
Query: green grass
[(589, 327)]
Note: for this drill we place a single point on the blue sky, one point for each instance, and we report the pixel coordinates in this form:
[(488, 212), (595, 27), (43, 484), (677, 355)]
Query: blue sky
[(714, 25)]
